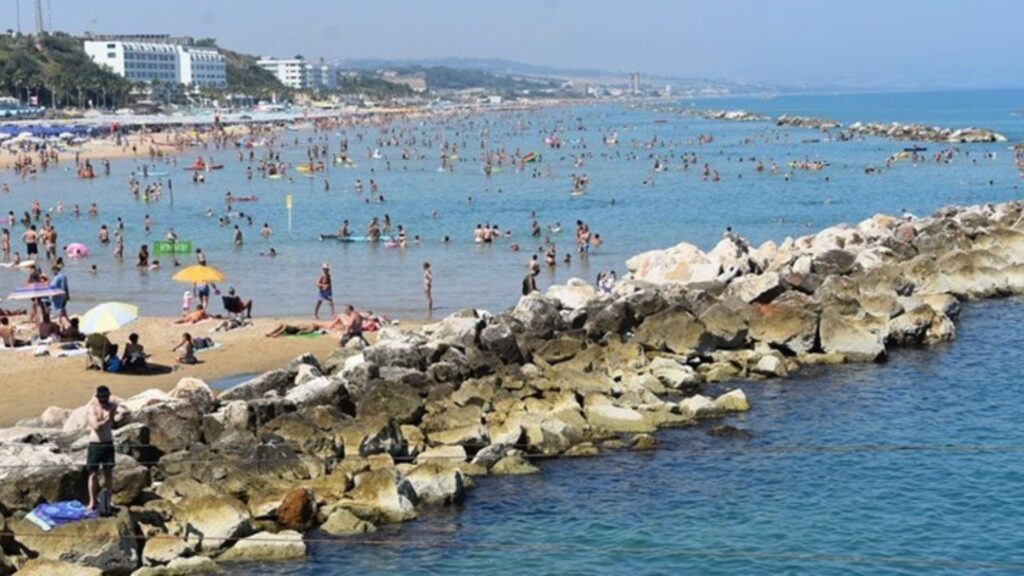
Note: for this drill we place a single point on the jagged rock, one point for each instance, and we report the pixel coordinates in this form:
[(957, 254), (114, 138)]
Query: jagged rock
[(727, 322), (442, 454), (538, 315), (398, 401), (732, 401), (335, 363), (381, 494), (365, 436), (43, 567), (172, 426), (163, 549), (263, 547), (672, 373), (757, 288), (603, 414), (843, 335), (323, 390), (192, 566), (472, 435), (676, 264), (559, 349), (195, 392), (834, 262), (400, 353), (31, 474), (499, 339), (216, 520), (697, 406), (770, 365), (279, 381), (342, 522), (911, 326), (582, 450), (574, 294), (305, 373), (513, 465), (456, 331), (297, 511), (436, 483), (233, 423), (643, 442), (789, 323), (104, 543), (613, 318), (675, 330)]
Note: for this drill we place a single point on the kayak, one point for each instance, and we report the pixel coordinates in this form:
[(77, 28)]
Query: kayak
[(275, 176), (531, 157), (196, 168), (305, 169), (151, 174), (354, 239)]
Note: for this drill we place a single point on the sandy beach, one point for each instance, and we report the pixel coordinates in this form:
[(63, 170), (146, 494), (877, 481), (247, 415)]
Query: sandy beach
[(31, 384)]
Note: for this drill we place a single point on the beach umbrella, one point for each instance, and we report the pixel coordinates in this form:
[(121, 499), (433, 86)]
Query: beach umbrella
[(108, 317), (33, 291), (199, 275), (5, 135)]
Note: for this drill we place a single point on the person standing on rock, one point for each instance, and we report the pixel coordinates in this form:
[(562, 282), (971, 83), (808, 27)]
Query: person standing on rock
[(102, 412)]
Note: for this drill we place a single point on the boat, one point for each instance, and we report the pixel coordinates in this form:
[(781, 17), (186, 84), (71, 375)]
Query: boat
[(915, 149), (355, 239), (151, 174), (531, 157), (577, 193), (245, 199)]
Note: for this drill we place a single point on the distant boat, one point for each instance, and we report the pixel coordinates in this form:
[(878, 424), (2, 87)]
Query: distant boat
[(915, 149)]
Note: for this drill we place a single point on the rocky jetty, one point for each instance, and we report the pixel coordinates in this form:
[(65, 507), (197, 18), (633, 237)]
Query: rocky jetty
[(727, 115), (896, 130), (372, 436)]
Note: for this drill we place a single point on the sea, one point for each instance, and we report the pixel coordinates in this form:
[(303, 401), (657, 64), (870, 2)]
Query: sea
[(910, 467), (632, 207)]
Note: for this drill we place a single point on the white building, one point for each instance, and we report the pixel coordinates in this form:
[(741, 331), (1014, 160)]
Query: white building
[(167, 62), (323, 76), (292, 72), (201, 67)]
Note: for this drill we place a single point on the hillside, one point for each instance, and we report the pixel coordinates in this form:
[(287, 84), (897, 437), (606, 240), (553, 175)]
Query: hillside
[(56, 70), (246, 77)]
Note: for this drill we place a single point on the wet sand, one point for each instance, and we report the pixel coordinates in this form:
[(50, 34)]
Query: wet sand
[(31, 384)]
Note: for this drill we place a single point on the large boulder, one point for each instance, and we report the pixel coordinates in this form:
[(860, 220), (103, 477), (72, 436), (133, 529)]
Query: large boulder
[(279, 381), (498, 338), (195, 392), (790, 323), (401, 353), (675, 330), (397, 401), (601, 413), (757, 288), (42, 567), (373, 434), (382, 495), (460, 331), (677, 264), (266, 547), (172, 426), (850, 337), (218, 520), (105, 543), (297, 510), (538, 315), (436, 483), (30, 474), (834, 262), (573, 295), (163, 549), (323, 390), (342, 522), (727, 322)]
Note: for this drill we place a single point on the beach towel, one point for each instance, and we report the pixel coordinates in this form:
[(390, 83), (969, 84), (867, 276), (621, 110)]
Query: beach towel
[(49, 516), (214, 346)]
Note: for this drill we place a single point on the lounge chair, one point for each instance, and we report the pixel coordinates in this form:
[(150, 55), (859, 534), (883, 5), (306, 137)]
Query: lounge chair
[(234, 307)]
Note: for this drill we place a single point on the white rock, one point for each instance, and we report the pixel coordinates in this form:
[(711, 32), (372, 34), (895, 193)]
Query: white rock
[(697, 406), (734, 401)]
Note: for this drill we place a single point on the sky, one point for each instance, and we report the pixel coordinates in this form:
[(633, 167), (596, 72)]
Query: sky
[(869, 44)]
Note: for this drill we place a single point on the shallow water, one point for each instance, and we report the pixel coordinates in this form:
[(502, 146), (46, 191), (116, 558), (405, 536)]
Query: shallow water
[(912, 467), (678, 207)]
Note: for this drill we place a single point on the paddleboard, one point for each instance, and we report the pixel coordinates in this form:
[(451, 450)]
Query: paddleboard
[(354, 239), (275, 176)]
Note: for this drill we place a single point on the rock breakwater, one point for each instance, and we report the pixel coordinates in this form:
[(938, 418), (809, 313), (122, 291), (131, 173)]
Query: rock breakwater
[(373, 436)]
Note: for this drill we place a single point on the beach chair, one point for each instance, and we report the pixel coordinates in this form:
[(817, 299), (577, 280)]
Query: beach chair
[(97, 350), (233, 306)]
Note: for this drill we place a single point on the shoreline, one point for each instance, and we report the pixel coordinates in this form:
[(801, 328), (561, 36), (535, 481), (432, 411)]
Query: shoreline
[(30, 381)]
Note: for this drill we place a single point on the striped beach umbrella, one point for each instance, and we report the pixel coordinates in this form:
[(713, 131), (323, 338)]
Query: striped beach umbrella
[(33, 291), (108, 317)]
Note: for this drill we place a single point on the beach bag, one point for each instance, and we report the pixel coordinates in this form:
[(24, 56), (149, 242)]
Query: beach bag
[(113, 364), (202, 343)]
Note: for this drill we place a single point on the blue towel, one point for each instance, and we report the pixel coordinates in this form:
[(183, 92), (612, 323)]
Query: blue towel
[(48, 516)]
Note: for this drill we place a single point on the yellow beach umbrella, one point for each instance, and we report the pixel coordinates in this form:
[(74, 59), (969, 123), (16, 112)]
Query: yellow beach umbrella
[(108, 317), (199, 275)]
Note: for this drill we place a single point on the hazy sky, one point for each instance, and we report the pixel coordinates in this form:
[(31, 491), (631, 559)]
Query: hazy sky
[(867, 43)]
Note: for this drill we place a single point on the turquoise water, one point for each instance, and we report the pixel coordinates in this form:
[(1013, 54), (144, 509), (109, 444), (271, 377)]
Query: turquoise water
[(630, 216), (912, 467)]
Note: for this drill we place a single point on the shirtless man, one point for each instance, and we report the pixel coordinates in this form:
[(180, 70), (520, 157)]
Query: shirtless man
[(194, 317), (31, 238), (7, 334), (325, 290), (102, 413)]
